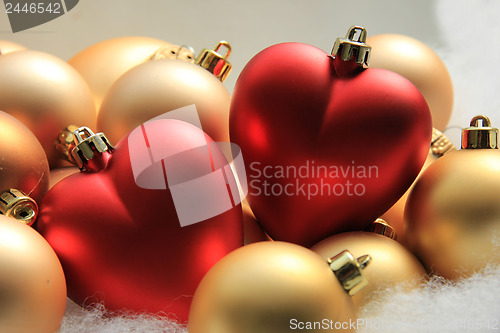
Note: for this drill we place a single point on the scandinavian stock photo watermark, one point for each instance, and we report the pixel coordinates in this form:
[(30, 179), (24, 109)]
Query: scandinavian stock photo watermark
[(310, 179)]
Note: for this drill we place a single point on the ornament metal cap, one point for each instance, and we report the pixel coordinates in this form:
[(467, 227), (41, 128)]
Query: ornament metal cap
[(92, 151), (379, 226), (65, 143), (214, 62), (174, 52), (16, 204), (440, 144), (351, 47), (349, 271), (480, 137)]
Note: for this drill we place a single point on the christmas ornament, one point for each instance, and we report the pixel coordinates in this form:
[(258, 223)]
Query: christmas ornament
[(440, 145), (252, 231), (120, 240), (24, 170), (155, 87), (419, 64), (45, 94), (452, 215), (277, 287), (328, 145), (103, 63), (392, 264), (32, 284), (8, 47)]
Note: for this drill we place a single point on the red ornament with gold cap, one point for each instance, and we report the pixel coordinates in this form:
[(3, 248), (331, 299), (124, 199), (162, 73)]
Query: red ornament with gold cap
[(328, 143), (122, 243)]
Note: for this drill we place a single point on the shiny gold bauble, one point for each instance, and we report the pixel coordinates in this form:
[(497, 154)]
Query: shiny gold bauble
[(263, 287), (8, 47), (392, 264), (103, 63), (46, 94), (56, 175), (23, 164), (419, 64), (453, 213), (159, 86), (32, 284), (252, 231)]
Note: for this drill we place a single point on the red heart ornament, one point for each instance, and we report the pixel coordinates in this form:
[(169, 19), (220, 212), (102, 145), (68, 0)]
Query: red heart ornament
[(328, 146), (124, 245)]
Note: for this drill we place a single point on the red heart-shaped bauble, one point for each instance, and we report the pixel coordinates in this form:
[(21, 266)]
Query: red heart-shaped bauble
[(324, 153), (123, 245)]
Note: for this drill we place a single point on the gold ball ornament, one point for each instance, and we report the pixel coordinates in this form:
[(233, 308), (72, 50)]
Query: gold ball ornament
[(392, 264), (23, 164), (419, 64), (45, 94), (440, 145), (103, 63), (159, 86), (272, 287), (32, 283), (452, 213), (9, 47)]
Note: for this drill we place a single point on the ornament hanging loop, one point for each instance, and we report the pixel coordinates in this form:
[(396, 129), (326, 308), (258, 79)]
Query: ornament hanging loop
[(485, 121), (480, 137), (225, 44)]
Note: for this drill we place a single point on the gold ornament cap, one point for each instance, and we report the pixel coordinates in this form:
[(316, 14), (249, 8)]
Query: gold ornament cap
[(379, 226), (183, 52), (440, 144), (349, 271), (66, 143), (480, 137), (351, 47), (16, 204), (91, 151), (214, 62)]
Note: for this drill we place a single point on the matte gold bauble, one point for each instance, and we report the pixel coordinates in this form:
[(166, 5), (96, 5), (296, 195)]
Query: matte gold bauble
[(46, 94), (32, 284), (440, 145), (23, 164), (159, 86), (453, 211), (392, 264), (56, 175), (252, 231), (103, 63), (419, 64), (8, 47), (270, 287)]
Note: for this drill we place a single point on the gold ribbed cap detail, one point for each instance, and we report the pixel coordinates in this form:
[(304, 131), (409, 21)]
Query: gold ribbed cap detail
[(353, 47), (349, 271), (480, 136), (214, 62)]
